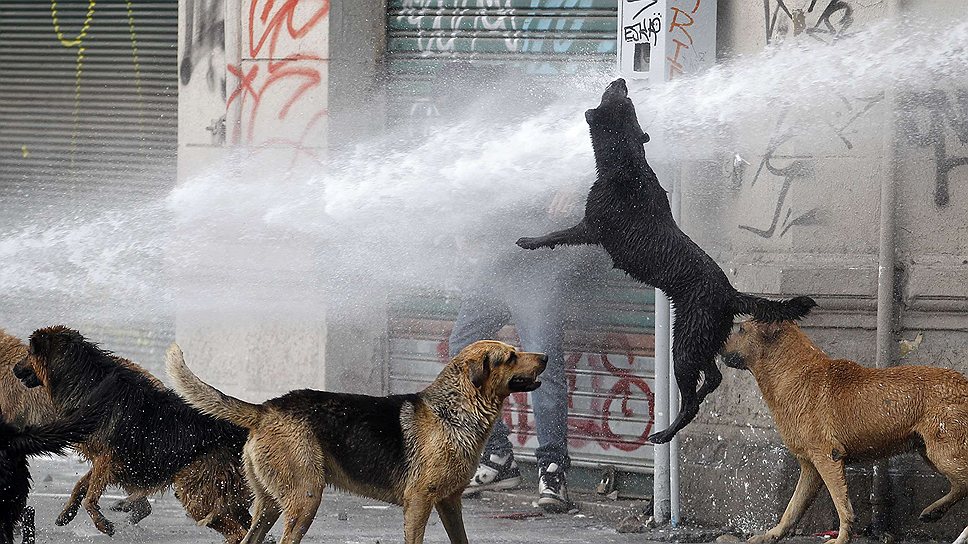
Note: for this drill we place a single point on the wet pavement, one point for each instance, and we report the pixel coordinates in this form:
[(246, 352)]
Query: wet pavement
[(342, 518)]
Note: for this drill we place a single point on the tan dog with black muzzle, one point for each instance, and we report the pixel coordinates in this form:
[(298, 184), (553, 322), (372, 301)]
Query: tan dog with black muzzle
[(832, 411), (416, 450)]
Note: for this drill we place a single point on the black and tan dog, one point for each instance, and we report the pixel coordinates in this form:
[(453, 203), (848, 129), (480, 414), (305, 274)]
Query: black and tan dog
[(832, 411), (628, 213), (416, 450), (149, 440)]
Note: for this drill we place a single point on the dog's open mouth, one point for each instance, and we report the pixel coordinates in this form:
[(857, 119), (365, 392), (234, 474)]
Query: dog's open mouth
[(523, 384)]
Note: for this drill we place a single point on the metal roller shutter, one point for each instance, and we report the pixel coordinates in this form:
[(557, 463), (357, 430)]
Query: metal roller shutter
[(609, 358), (88, 112), (88, 99)]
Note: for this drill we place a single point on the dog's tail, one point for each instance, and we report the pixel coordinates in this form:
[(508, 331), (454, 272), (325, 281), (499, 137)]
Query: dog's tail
[(205, 397), (55, 437), (771, 310)]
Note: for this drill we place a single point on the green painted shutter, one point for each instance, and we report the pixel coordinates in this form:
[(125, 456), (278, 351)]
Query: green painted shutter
[(527, 37)]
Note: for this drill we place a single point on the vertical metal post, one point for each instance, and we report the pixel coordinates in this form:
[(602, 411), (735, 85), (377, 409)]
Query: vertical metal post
[(676, 205), (886, 290), (660, 482)]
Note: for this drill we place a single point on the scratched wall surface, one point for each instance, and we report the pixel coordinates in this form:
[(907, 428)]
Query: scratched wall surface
[(799, 213)]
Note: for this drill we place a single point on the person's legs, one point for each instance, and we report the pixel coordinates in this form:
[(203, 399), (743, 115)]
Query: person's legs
[(541, 328), (480, 318)]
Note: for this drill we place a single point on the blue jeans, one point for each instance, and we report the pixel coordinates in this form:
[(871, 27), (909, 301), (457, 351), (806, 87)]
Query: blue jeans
[(539, 318)]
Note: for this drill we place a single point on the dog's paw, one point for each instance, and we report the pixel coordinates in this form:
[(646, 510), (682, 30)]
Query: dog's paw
[(529, 243), (105, 527), (929, 516), (661, 437), (765, 538), (64, 518)]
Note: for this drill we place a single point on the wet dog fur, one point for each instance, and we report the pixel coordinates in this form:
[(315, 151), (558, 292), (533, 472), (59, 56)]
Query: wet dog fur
[(18, 443), (832, 411), (628, 213), (150, 440), (418, 450)]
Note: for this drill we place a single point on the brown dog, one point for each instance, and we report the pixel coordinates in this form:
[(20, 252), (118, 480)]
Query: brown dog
[(416, 450), (829, 411), (149, 441), (20, 406)]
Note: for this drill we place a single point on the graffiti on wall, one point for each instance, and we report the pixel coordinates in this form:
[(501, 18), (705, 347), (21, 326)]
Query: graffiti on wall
[(77, 43), (781, 162), (611, 405), (680, 36), (279, 86), (204, 46), (938, 120), (824, 20)]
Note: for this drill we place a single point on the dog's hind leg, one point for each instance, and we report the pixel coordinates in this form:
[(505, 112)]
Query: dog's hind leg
[(687, 367), (266, 510), (712, 377), (832, 473), (949, 458), (449, 510), (136, 505), (300, 512), (807, 487), (100, 476), (74, 502)]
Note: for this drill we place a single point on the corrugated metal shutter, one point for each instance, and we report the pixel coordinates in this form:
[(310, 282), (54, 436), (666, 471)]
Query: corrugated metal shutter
[(88, 111), (609, 364), (88, 98), (609, 359), (530, 37)]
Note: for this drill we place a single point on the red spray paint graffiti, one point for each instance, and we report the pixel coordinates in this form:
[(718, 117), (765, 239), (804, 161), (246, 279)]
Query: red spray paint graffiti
[(281, 69), (681, 21), (604, 403)]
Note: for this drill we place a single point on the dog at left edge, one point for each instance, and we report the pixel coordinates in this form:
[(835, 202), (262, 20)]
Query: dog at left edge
[(16, 444), (148, 440)]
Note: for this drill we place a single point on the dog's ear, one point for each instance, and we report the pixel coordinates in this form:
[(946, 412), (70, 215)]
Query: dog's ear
[(39, 344), (771, 331), (479, 369)]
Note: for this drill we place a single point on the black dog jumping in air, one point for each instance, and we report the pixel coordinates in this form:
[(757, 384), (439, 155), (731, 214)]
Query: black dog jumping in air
[(628, 213)]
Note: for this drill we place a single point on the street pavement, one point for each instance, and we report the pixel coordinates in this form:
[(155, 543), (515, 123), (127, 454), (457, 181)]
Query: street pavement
[(342, 518)]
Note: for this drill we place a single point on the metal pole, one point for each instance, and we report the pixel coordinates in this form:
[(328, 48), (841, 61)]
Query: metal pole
[(676, 205), (660, 482), (886, 290)]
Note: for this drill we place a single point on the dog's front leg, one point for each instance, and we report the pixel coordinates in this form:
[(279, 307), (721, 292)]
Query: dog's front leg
[(833, 476), (807, 487), (74, 502), (449, 510), (100, 474), (416, 512), (577, 235)]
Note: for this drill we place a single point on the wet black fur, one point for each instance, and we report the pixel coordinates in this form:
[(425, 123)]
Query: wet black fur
[(360, 433), (152, 432), (628, 213), (15, 446)]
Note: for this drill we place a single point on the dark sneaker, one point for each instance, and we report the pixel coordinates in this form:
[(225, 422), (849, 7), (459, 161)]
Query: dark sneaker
[(552, 491), (494, 472)]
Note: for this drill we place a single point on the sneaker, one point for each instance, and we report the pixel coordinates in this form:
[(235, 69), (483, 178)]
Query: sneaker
[(552, 491), (494, 472)]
